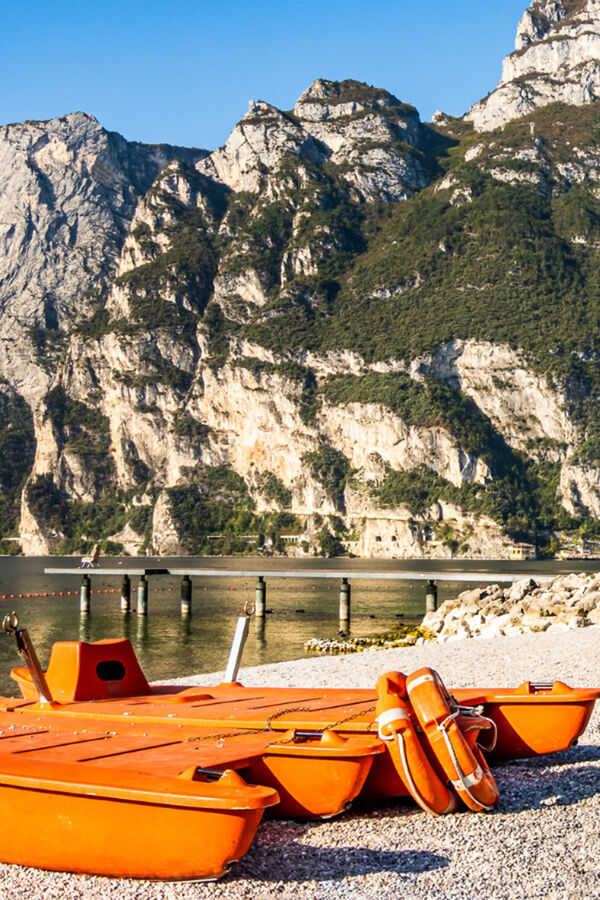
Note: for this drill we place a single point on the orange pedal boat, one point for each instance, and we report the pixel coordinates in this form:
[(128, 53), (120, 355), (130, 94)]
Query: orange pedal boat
[(530, 720), (114, 820), (315, 774), (185, 796), (533, 719)]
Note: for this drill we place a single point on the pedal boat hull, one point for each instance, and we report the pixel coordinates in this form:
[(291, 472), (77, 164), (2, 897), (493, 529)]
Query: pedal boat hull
[(71, 818), (321, 783), (533, 720)]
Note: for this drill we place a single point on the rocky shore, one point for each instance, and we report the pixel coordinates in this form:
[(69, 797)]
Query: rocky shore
[(526, 607), (403, 636)]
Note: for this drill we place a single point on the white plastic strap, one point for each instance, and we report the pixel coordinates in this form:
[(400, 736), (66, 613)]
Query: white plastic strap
[(389, 716), (464, 781), (422, 679), (470, 780)]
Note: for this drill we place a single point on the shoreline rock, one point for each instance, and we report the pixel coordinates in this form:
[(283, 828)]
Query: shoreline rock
[(526, 607)]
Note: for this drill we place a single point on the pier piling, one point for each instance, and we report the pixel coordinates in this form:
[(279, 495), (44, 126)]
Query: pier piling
[(260, 631), (84, 595), (126, 594), (344, 605), (142, 596), (260, 597), (186, 596), (431, 596)]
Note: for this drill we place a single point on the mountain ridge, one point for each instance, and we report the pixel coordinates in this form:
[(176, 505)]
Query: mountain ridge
[(343, 331), (556, 54)]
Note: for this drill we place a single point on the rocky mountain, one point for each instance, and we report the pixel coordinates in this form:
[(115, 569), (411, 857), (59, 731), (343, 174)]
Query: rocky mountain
[(556, 59), (345, 330)]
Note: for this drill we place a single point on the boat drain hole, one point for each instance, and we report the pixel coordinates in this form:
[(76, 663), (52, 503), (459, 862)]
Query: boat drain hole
[(110, 670)]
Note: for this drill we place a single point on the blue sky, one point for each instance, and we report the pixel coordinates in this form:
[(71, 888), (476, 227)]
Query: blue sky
[(183, 71)]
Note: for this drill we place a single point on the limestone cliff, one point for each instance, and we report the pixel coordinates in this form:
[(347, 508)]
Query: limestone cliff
[(343, 331), (556, 59)]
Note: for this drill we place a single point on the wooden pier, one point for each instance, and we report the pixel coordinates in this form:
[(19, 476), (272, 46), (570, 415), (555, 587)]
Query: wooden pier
[(430, 579)]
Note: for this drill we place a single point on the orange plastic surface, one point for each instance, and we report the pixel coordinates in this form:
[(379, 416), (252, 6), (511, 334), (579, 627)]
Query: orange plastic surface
[(316, 775), (528, 725), (69, 822), (534, 722), (62, 809), (530, 721), (81, 671), (311, 786)]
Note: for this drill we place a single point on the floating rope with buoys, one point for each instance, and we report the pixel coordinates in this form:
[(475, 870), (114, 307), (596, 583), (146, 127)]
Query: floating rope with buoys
[(31, 595)]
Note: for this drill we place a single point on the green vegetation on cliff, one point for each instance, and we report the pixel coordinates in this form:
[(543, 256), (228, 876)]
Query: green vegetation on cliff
[(81, 524), (215, 514), (514, 262), (17, 452), (428, 403), (84, 432), (502, 246), (332, 469), (523, 498)]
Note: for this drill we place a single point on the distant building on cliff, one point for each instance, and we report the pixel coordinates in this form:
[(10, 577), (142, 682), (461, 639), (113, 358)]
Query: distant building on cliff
[(523, 551)]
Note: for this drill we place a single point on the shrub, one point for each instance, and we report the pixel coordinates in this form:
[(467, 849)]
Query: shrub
[(332, 469), (273, 489)]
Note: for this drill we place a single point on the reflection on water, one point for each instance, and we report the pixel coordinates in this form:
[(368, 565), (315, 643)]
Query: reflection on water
[(168, 645)]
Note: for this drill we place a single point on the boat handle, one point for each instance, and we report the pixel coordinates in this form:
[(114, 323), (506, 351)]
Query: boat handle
[(26, 650), (211, 774), (306, 735)]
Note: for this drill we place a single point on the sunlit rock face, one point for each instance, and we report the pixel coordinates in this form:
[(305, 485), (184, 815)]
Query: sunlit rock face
[(143, 289), (68, 192), (347, 124), (556, 59)]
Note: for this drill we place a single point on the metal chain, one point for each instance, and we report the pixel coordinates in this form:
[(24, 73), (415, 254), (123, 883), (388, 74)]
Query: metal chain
[(224, 734), (334, 725), (267, 727), (356, 715), (284, 712), (277, 715)]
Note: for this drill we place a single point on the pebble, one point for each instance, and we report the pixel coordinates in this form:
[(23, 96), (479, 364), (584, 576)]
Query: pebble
[(542, 842)]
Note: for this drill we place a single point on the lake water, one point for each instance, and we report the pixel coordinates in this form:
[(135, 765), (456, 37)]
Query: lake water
[(169, 646)]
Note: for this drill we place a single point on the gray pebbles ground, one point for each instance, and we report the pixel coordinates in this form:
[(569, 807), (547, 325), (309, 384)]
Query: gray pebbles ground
[(543, 841)]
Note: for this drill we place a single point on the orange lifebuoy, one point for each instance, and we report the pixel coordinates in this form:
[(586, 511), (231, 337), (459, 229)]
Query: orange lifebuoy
[(410, 760), (461, 759)]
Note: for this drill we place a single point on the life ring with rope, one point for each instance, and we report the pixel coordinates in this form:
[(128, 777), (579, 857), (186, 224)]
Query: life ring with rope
[(460, 758), (396, 728)]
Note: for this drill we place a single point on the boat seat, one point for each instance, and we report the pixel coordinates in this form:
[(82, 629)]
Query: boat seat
[(81, 671)]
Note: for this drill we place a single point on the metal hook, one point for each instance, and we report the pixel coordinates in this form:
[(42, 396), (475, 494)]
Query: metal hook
[(25, 649), (10, 623), (249, 608)]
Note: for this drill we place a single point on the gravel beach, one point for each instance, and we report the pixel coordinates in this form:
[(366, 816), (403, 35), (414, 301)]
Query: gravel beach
[(543, 841)]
